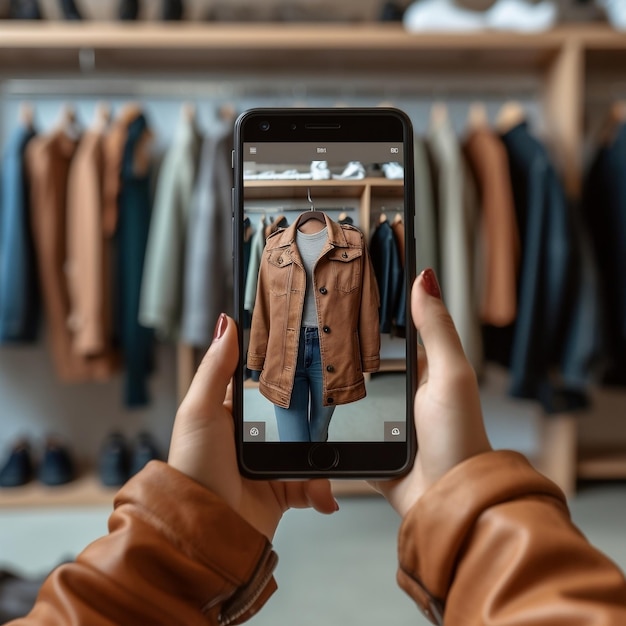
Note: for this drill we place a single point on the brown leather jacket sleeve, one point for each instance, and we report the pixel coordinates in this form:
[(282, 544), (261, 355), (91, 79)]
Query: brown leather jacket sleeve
[(491, 543), (176, 554)]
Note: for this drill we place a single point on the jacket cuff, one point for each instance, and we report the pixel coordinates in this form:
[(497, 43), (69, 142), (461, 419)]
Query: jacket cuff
[(434, 531), (208, 533)]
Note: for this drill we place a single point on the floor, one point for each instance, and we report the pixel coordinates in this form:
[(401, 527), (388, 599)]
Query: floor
[(336, 570), (332, 570)]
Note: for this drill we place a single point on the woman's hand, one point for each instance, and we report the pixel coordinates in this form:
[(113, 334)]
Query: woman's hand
[(203, 444), (448, 415)]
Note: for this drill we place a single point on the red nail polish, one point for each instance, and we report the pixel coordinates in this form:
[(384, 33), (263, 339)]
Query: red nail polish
[(220, 327), (430, 283)]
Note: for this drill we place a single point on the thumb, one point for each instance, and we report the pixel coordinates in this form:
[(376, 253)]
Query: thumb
[(208, 388), (435, 326)]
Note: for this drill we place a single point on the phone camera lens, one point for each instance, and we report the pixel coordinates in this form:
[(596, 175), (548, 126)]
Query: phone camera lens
[(264, 125), (293, 127)]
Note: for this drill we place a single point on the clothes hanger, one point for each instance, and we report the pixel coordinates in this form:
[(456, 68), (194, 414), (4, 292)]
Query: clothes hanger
[(511, 114), (311, 214), (383, 215), (615, 118), (227, 112), (102, 117), (27, 115), (477, 116), (68, 122), (397, 219), (189, 112), (438, 114)]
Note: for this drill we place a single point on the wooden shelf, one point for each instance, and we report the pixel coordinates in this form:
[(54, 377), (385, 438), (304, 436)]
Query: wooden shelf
[(323, 48), (86, 490), (602, 464)]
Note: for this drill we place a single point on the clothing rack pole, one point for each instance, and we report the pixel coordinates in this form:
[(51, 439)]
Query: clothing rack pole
[(253, 86)]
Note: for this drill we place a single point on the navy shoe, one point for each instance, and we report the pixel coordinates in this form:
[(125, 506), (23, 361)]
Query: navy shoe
[(145, 450), (57, 467), (113, 461), (18, 468)]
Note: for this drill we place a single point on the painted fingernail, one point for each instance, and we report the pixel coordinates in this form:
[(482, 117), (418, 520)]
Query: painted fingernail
[(220, 327), (430, 283)]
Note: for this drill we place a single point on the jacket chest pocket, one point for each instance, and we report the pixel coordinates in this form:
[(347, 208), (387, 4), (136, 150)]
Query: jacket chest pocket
[(280, 265), (346, 267)]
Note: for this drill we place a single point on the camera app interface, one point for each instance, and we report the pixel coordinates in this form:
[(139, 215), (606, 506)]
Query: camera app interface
[(323, 291)]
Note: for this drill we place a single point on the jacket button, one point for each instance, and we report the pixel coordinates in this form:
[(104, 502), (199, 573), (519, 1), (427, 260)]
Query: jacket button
[(330, 368), (280, 260), (323, 291), (345, 255), (326, 329), (330, 400)]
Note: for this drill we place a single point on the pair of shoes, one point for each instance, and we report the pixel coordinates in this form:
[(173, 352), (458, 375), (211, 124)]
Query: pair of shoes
[(353, 171), (615, 11), (320, 170), (511, 15), (56, 467), (393, 171), (119, 461)]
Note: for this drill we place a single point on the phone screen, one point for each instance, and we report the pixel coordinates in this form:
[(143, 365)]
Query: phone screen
[(325, 259)]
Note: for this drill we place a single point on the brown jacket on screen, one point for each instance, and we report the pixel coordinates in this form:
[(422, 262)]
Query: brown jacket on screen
[(347, 301)]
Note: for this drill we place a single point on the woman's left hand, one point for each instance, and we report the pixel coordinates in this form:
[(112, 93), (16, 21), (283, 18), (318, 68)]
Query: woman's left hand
[(203, 444)]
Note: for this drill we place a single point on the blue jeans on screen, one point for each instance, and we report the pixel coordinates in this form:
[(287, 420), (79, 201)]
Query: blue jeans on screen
[(306, 419)]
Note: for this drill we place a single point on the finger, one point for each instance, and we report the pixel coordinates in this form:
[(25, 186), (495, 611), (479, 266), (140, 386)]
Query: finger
[(312, 493), (434, 324), (209, 385)]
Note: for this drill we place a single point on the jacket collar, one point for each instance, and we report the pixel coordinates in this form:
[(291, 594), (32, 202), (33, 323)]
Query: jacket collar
[(286, 237)]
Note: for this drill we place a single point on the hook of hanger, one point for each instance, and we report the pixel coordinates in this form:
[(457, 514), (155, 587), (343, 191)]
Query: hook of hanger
[(308, 195)]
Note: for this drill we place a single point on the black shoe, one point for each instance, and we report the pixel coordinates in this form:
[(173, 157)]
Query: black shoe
[(70, 12), (113, 461), (172, 10), (57, 467), (24, 10), (129, 9), (18, 469), (145, 450)]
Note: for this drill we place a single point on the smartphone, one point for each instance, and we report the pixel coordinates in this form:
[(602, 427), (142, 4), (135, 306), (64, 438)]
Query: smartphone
[(324, 257)]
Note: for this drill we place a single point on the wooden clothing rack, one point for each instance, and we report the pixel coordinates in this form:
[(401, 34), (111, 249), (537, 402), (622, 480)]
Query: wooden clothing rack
[(572, 73)]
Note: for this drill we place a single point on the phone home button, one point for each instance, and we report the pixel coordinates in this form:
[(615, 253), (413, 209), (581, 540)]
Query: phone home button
[(323, 456)]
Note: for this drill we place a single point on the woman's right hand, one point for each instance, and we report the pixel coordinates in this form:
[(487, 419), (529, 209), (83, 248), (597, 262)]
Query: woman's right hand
[(448, 414)]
